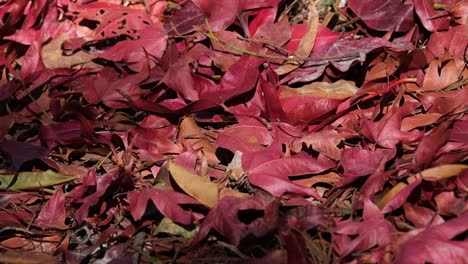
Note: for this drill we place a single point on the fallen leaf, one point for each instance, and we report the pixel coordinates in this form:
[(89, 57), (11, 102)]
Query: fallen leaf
[(374, 230), (452, 41), (53, 58), (202, 189), (33, 180), (460, 12), (431, 18), (314, 100), (53, 213), (166, 226), (224, 218), (196, 137), (21, 152), (168, 203), (442, 172), (434, 244), (441, 73), (384, 15), (396, 197), (421, 216), (420, 120), (26, 257), (307, 42)]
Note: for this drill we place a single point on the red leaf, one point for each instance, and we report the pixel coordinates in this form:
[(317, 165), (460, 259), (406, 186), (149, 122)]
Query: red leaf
[(8, 219), (240, 78), (324, 141), (434, 244), (61, 133), (358, 162), (386, 132), (53, 213), (272, 176), (460, 131), (262, 17), (421, 216), (184, 20), (374, 183), (314, 100), (384, 15), (139, 52), (222, 13), (397, 200), (342, 54), (374, 230), (225, 220), (427, 13), (167, 203), (244, 138), (110, 88), (295, 246), (430, 144), (102, 183), (153, 143), (454, 41), (20, 152)]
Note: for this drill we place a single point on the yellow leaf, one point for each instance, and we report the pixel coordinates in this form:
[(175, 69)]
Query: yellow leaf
[(390, 194), (442, 172), (339, 90), (202, 189)]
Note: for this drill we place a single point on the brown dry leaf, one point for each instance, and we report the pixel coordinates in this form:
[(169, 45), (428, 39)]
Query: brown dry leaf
[(390, 194), (412, 122), (26, 257), (442, 72), (52, 57), (190, 133), (330, 178), (442, 172), (460, 12), (202, 189), (339, 90), (382, 69), (307, 42), (33, 245), (325, 142)]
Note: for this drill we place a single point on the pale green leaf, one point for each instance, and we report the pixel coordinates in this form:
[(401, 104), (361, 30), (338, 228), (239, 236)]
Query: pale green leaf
[(33, 180), (167, 226)]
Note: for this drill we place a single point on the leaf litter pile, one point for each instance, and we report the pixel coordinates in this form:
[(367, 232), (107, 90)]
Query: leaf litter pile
[(218, 131)]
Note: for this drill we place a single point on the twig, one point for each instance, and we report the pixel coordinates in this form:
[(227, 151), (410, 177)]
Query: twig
[(324, 60)]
